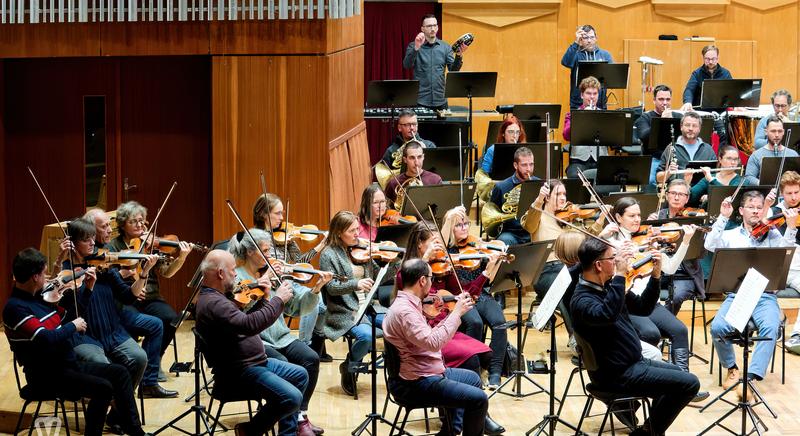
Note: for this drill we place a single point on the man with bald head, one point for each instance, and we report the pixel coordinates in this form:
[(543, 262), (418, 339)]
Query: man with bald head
[(235, 351)]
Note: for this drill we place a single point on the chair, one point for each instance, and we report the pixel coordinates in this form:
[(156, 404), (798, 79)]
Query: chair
[(220, 393), (577, 370), (616, 402), (29, 394)]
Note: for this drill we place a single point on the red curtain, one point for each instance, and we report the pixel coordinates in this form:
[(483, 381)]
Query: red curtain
[(388, 28)]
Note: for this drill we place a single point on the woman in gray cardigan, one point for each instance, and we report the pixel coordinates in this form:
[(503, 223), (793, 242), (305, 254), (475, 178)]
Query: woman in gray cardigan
[(340, 296)]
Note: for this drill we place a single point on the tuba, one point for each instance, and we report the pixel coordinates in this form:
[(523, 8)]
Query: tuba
[(493, 216), (400, 191)]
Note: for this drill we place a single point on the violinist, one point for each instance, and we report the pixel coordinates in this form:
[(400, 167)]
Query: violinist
[(342, 297), (455, 230), (131, 223), (790, 194), (137, 323), (660, 321), (461, 351), (766, 314), (414, 175), (510, 132), (40, 337), (677, 196), (268, 210), (235, 353), (373, 207), (688, 147), (601, 309), (512, 232), (728, 157), (278, 339)]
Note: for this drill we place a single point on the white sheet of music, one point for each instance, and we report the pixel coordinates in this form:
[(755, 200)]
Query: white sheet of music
[(747, 297), (551, 298), (371, 295)]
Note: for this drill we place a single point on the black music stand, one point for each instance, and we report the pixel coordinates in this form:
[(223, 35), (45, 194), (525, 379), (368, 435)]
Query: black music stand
[(538, 111), (770, 166), (623, 171), (791, 125), (718, 193), (601, 129), (576, 192), (730, 265), (444, 133), (535, 131), (527, 195), (503, 160), (392, 94), (725, 93), (440, 198), (661, 131), (444, 161), (470, 85), (526, 267), (647, 202), (397, 234), (611, 76)]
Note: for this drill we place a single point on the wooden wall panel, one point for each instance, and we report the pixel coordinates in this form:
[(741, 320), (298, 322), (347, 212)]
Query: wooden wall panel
[(346, 92), (274, 37), (48, 40), (266, 115), (350, 171), (345, 33), (155, 39)]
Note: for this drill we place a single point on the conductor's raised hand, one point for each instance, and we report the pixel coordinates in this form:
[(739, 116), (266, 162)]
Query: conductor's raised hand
[(419, 40)]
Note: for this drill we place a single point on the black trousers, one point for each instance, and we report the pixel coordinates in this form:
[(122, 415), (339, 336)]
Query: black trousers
[(487, 310), (300, 354), (661, 323), (100, 383), (163, 311)]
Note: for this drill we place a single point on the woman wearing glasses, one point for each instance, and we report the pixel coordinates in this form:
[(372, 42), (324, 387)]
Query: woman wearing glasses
[(511, 132), (728, 157)]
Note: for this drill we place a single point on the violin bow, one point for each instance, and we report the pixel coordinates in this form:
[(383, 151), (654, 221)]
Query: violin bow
[(66, 236), (783, 159), (250, 235), (547, 145), (572, 226), (596, 198), (152, 234), (663, 191), (269, 219), (286, 232)]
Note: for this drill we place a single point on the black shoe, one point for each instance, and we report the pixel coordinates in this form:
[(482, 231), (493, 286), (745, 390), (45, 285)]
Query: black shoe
[(156, 391), (700, 396), (347, 382), (325, 357), (492, 428)]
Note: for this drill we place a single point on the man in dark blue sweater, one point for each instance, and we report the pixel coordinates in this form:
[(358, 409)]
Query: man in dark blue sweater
[(40, 338), (512, 232), (600, 308), (711, 69)]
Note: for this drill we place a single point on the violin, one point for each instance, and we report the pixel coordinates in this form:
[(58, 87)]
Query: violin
[(762, 228), (571, 212), (467, 258), (289, 231), (393, 217), (667, 233), (54, 289), (641, 267), (691, 212), (434, 305), (385, 251), (104, 259), (169, 244), (483, 246), (305, 274), (247, 292)]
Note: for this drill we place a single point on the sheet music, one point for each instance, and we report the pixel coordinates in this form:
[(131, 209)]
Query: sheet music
[(371, 295), (639, 285), (741, 309), (552, 298)]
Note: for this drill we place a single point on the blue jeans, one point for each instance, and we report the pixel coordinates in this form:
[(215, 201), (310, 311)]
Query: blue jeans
[(308, 321), (128, 354), (510, 238), (459, 390), (767, 316), (362, 334), (654, 163), (281, 384), (152, 330)]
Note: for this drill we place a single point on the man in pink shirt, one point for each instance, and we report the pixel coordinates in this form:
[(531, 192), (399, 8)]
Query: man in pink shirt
[(422, 370)]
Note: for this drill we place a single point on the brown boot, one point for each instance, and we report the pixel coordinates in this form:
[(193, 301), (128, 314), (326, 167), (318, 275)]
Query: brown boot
[(732, 377)]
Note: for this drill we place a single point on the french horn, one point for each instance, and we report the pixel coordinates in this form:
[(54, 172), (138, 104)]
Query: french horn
[(492, 216)]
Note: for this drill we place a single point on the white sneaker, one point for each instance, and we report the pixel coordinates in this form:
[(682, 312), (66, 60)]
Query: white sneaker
[(793, 344)]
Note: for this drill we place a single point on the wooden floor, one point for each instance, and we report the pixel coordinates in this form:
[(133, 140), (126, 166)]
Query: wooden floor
[(340, 414)]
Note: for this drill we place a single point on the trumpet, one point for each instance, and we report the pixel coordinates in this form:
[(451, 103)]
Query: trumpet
[(712, 170)]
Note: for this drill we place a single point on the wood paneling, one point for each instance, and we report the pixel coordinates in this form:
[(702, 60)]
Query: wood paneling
[(349, 168), (48, 40), (345, 33), (155, 39), (345, 91), (276, 37)]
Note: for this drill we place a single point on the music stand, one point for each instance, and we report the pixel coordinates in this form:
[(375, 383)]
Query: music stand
[(718, 193), (444, 133), (528, 192), (444, 161), (538, 111), (770, 165), (730, 265), (601, 129), (660, 134), (503, 160), (440, 198), (623, 170), (392, 94), (397, 234), (795, 126), (576, 192), (647, 202), (526, 267), (725, 93), (469, 85), (535, 131), (610, 76)]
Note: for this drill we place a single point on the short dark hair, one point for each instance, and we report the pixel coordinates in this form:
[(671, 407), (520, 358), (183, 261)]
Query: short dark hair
[(774, 119), (783, 92), (406, 113), (522, 152), (692, 114), (426, 16), (27, 263), (710, 47), (588, 28), (590, 250), (749, 195), (412, 144), (80, 229), (412, 270), (622, 204), (661, 88)]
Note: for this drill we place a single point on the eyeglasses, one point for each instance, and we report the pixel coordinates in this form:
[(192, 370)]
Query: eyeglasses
[(711, 59), (464, 225), (589, 37), (678, 194), (752, 208), (780, 106), (605, 258), (139, 222), (430, 26), (513, 132), (409, 124)]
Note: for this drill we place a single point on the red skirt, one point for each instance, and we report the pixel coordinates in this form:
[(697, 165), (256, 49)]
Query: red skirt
[(461, 348)]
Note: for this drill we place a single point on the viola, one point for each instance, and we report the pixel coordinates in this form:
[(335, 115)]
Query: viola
[(668, 233), (168, 244), (247, 292), (433, 305), (54, 289), (641, 267), (393, 218), (289, 231), (571, 212), (385, 251)]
